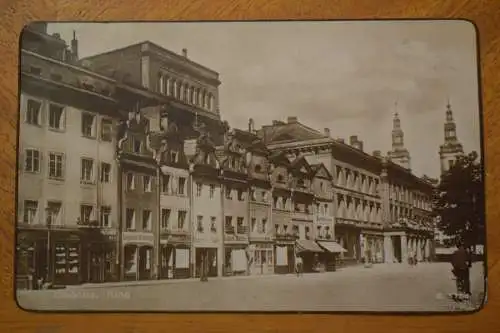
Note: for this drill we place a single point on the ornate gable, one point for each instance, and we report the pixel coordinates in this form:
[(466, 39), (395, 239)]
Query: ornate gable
[(320, 171)]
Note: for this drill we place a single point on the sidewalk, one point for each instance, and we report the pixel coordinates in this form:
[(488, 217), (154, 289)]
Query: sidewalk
[(172, 281)]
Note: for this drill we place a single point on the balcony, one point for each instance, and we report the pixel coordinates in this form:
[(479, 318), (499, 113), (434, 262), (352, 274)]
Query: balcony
[(174, 232), (229, 229)]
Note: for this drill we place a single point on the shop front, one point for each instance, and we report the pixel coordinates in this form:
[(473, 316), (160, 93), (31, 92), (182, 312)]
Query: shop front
[(48, 255), (235, 260), (284, 254), (330, 257), (175, 257), (138, 256), (206, 261), (99, 256), (347, 234), (261, 257), (372, 244), (310, 253)]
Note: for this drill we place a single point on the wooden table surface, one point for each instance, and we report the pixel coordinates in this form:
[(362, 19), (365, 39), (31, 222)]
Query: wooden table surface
[(15, 13)]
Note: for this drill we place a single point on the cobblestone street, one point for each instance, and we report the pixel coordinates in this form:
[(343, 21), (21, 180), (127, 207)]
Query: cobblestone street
[(380, 288)]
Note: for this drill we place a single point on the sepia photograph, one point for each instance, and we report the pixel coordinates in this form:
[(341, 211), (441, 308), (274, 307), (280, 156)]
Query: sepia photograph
[(266, 166)]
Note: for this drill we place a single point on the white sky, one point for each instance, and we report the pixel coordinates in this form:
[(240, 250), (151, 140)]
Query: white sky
[(342, 75)]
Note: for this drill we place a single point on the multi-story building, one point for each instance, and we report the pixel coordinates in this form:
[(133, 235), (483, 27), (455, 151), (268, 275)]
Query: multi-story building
[(281, 216), (206, 205), (360, 187), (189, 89), (324, 221), (175, 230), (235, 190), (68, 208), (261, 247)]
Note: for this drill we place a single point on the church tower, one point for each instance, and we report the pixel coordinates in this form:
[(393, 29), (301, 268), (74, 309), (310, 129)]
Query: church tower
[(399, 154), (452, 148)]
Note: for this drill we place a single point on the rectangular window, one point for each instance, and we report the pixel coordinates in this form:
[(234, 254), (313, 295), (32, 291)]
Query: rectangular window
[(30, 211), (212, 191), (253, 223), (181, 219), (106, 130), (228, 193), (199, 221), (56, 117), (264, 225), (228, 223), (105, 172), (33, 112), (136, 145), (53, 212), (86, 212), (88, 124), (165, 183), (147, 183), (213, 226), (130, 181), (87, 170), (146, 220), (56, 165), (32, 160), (241, 195), (165, 218), (105, 219), (199, 187), (130, 219), (182, 184)]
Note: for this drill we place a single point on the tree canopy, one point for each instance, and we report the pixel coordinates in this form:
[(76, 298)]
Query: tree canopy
[(459, 201)]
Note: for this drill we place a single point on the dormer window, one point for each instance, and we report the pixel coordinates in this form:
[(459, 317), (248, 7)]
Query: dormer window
[(258, 168), (301, 183), (281, 179)]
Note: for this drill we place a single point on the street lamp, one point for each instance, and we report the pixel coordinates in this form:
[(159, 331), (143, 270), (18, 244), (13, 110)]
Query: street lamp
[(48, 218)]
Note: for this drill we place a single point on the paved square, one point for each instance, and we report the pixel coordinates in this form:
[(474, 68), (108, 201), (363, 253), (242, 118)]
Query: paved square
[(385, 287)]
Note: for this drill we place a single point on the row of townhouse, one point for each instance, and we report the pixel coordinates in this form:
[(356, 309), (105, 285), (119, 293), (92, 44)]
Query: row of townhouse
[(126, 171), (122, 178)]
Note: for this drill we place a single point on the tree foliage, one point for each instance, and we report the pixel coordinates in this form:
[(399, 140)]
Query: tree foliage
[(459, 201)]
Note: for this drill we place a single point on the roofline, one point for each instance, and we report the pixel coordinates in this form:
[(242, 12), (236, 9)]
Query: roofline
[(161, 48), (65, 64)]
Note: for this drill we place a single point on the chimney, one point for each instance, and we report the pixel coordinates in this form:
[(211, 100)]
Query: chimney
[(377, 153), (359, 145), (340, 140), (251, 128), (39, 26), (74, 47), (327, 131), (353, 139), (56, 35), (292, 120), (185, 53)]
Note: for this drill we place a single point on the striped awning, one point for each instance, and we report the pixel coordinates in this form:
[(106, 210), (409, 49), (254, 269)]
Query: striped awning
[(332, 247), (307, 246)]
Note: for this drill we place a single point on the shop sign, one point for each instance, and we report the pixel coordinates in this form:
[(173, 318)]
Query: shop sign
[(137, 237)]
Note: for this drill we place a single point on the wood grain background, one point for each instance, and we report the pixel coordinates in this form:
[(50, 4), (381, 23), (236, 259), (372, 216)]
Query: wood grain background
[(14, 14)]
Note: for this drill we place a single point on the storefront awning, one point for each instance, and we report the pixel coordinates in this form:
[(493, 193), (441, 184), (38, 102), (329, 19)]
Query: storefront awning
[(308, 246), (332, 247)]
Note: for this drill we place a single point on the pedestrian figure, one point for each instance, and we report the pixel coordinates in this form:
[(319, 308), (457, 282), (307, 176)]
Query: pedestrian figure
[(461, 263), (299, 266), (415, 261)]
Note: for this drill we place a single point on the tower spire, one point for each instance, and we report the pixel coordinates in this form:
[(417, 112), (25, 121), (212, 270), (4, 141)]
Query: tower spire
[(452, 147), (399, 154)]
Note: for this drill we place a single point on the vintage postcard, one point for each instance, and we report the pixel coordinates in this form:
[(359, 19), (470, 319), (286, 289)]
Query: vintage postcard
[(250, 166)]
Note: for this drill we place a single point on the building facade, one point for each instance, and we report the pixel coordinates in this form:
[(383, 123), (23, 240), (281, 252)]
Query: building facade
[(68, 172), (365, 211)]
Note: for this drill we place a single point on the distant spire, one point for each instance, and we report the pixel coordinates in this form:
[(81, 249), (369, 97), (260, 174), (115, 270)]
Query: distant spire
[(74, 34)]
